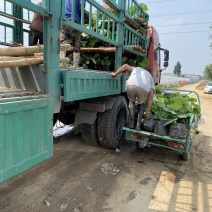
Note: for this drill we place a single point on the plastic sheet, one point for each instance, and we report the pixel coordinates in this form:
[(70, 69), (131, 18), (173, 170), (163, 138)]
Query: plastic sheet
[(160, 128), (178, 130)]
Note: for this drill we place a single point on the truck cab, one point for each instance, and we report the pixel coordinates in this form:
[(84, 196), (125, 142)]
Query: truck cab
[(154, 55)]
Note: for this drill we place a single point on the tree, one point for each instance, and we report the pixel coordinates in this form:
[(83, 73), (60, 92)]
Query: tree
[(177, 68), (208, 72)]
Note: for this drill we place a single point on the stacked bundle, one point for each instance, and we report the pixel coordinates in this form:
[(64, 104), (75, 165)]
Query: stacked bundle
[(24, 56)]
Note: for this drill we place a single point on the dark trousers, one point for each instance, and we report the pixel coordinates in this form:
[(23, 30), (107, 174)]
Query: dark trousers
[(70, 36), (35, 37)]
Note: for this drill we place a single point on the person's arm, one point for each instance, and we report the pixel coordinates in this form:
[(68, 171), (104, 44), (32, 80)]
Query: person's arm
[(149, 105), (80, 3), (123, 68), (39, 15)]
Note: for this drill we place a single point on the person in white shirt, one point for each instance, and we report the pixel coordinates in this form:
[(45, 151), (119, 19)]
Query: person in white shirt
[(139, 86)]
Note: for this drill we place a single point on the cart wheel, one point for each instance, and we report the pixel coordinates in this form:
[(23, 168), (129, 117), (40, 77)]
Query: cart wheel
[(186, 156)]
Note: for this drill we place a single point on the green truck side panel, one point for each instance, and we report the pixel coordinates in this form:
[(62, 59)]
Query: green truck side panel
[(84, 84), (26, 135)]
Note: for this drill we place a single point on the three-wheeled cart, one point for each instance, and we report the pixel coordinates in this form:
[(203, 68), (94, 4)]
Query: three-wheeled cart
[(144, 138)]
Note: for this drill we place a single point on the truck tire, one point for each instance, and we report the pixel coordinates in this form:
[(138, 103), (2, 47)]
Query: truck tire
[(89, 133), (111, 123)]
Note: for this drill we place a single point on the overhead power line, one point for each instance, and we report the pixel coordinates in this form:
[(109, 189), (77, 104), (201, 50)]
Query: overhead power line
[(183, 32), (184, 13), (163, 1), (167, 25)]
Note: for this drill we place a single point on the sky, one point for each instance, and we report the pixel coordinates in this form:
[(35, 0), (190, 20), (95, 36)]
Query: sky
[(178, 32), (183, 27)]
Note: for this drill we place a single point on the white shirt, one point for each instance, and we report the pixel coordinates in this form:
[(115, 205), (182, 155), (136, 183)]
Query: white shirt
[(141, 78)]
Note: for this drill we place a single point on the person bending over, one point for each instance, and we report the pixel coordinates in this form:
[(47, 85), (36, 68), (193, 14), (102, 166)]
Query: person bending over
[(139, 86)]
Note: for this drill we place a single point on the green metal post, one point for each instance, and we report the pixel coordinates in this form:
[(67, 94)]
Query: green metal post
[(52, 52), (18, 30), (120, 34)]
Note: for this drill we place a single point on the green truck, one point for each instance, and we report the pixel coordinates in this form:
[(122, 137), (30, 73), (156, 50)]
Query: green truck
[(33, 97)]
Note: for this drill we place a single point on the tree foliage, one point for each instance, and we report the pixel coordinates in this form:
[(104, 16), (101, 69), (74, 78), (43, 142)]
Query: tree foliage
[(208, 72), (177, 68)]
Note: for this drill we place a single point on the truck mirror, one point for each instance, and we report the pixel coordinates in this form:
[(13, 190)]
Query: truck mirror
[(166, 55), (165, 64)]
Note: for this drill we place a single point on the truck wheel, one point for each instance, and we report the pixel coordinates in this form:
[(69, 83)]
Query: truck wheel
[(111, 123), (89, 133)]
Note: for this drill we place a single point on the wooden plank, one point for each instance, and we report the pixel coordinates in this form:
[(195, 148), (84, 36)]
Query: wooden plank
[(28, 51), (21, 61)]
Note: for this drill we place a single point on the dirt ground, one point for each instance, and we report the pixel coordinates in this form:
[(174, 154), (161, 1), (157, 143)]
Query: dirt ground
[(83, 178)]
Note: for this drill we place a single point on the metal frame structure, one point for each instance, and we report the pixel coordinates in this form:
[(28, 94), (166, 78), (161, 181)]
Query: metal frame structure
[(29, 118)]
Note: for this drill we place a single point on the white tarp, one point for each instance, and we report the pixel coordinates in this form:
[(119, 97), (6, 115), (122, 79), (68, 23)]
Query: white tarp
[(167, 79)]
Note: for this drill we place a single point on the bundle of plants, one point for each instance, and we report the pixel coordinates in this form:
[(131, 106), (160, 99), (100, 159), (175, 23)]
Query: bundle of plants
[(174, 108), (161, 128), (149, 124), (98, 57), (178, 130)]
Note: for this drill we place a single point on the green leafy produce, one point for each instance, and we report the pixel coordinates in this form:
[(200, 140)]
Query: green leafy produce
[(174, 107), (89, 60), (144, 6), (106, 61), (158, 88), (144, 63)]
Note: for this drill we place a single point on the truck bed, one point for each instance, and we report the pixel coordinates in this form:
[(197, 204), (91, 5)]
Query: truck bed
[(18, 93), (85, 84), (21, 79)]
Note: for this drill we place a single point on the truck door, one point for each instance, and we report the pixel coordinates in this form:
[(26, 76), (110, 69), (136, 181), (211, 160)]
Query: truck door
[(154, 54), (25, 133)]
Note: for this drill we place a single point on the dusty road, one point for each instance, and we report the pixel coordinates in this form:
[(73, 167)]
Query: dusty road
[(83, 178)]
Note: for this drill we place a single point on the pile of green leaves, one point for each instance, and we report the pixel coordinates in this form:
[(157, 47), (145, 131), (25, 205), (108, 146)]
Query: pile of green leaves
[(174, 107), (96, 61)]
